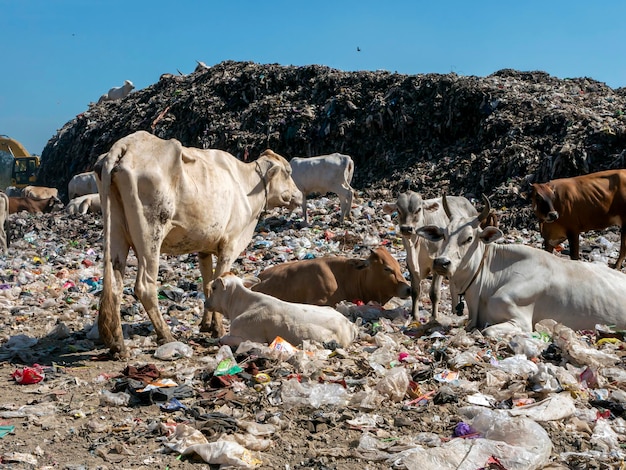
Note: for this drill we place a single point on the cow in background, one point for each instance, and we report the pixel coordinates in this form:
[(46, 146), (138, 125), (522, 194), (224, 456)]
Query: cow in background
[(325, 174), (83, 204), (160, 197), (40, 192), (34, 206), (259, 317), (4, 222), (330, 279), (509, 288), (117, 93), (566, 207), (81, 184), (414, 213)]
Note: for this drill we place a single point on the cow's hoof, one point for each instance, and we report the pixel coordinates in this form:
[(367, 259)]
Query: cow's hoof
[(205, 327)]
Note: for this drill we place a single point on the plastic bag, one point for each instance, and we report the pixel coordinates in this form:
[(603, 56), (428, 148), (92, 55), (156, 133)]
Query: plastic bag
[(394, 384), (172, 351)]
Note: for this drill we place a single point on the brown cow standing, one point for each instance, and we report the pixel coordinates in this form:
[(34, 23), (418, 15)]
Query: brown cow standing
[(329, 280), (568, 206), (34, 206)]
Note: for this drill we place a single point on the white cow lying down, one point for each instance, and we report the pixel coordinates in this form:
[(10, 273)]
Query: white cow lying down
[(324, 174), (260, 317), (84, 204), (510, 288), (117, 93)]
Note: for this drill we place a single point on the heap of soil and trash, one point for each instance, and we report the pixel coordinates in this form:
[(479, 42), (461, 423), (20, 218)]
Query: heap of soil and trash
[(466, 135), (403, 395)]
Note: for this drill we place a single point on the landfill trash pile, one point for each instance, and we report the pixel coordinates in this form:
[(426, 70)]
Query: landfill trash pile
[(466, 135), (402, 396)]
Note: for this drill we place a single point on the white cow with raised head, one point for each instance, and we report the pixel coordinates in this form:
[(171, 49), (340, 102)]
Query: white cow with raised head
[(259, 317), (509, 288), (160, 197), (413, 213), (81, 184), (325, 174), (117, 93)]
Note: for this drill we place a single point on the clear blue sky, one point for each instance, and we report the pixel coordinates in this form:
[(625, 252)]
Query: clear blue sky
[(60, 55)]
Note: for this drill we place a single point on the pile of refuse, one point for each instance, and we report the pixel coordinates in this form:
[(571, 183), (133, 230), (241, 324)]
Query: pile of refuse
[(466, 135), (405, 395)]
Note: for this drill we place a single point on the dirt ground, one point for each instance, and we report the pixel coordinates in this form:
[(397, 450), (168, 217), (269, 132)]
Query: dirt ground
[(49, 285)]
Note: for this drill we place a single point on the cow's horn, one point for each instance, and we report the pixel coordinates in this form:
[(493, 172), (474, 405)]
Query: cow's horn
[(486, 210), (446, 208)]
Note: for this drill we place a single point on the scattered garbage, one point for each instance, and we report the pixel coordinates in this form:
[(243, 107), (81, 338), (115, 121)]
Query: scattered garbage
[(403, 395)]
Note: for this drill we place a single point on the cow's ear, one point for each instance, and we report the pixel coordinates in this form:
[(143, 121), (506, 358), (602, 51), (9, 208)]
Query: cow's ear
[(431, 207), (390, 208), (491, 234), (430, 232), (250, 281), (273, 170)]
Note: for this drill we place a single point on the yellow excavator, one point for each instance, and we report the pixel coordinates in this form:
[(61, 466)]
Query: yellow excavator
[(25, 165)]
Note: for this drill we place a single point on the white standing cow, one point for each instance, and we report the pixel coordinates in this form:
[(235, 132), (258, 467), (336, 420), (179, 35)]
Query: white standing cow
[(117, 93), (160, 197), (413, 213), (509, 288), (259, 317), (81, 184), (4, 222), (325, 174)]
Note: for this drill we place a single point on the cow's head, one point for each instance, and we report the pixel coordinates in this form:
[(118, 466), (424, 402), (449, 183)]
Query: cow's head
[(461, 241), (410, 207), (220, 290), (543, 198), (383, 276), (280, 189), (54, 204)]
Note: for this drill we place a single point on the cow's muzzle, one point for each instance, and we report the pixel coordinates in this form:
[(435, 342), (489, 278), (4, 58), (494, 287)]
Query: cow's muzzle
[(441, 266), (552, 216), (406, 230)]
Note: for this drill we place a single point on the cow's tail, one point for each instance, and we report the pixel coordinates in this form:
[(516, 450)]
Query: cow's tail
[(109, 322)]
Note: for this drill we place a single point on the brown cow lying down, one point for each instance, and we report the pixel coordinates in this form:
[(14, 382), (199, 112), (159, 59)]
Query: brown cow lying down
[(260, 318), (34, 206), (329, 280)]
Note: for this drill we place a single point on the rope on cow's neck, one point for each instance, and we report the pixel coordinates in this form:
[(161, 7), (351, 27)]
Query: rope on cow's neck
[(461, 305), (258, 168)]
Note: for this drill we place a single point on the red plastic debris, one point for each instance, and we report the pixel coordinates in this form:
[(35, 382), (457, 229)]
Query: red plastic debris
[(29, 375)]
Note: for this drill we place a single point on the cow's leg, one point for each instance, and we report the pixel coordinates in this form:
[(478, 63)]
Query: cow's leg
[(304, 217), (622, 249), (146, 291), (574, 245), (208, 274), (411, 264), (109, 319), (345, 201), (435, 295), (147, 233)]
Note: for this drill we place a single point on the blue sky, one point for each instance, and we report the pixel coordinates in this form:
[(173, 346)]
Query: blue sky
[(58, 56)]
